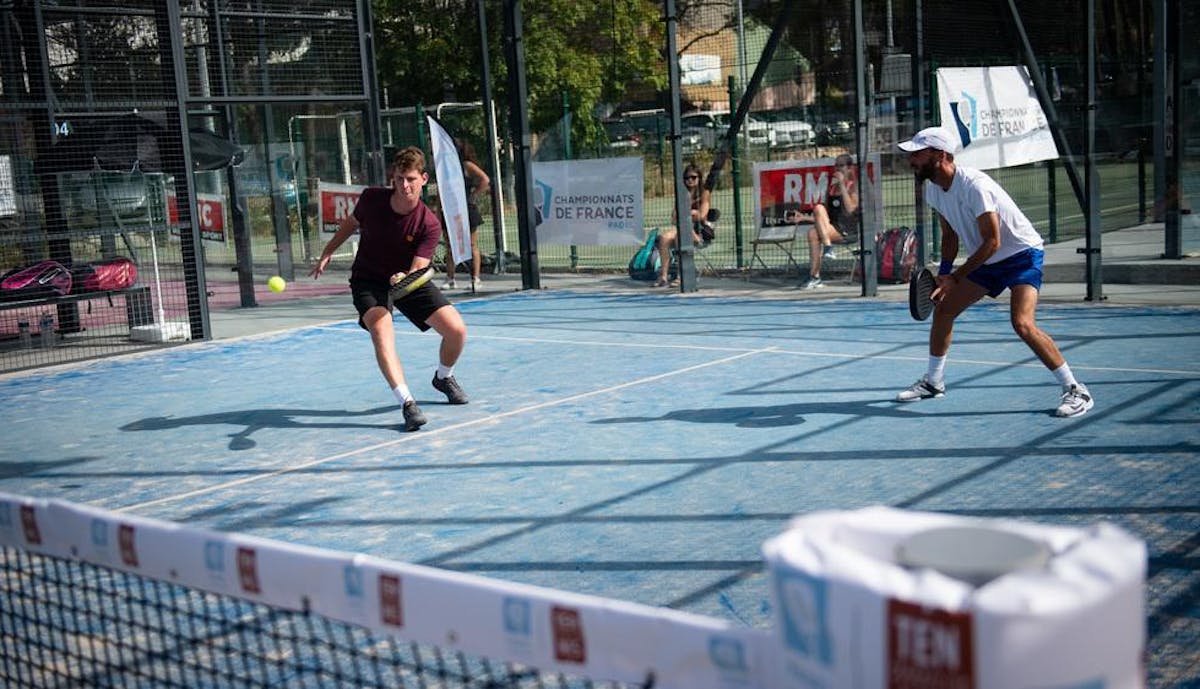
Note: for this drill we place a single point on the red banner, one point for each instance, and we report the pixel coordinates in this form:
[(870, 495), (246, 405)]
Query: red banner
[(210, 216), (337, 202)]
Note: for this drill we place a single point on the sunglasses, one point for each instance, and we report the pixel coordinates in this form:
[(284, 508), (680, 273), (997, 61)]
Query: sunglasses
[(691, 177)]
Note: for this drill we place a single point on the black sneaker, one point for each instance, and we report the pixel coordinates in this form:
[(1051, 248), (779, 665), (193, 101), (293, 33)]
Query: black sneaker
[(413, 417), (453, 391)]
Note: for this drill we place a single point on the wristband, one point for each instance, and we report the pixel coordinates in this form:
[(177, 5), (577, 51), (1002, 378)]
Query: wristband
[(945, 267)]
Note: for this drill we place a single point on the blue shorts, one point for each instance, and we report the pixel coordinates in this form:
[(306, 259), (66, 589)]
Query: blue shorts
[(1024, 268)]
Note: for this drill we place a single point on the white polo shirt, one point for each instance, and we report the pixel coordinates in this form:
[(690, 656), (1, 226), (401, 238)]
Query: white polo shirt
[(971, 194)]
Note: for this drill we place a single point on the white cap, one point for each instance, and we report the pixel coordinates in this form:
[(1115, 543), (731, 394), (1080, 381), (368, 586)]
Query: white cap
[(931, 137)]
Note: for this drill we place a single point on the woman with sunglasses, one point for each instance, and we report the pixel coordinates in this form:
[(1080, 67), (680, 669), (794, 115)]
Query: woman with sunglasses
[(668, 238)]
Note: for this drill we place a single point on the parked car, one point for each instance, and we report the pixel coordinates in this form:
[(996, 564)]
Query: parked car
[(704, 126), (653, 127), (622, 136), (835, 132), (711, 127), (756, 131), (790, 129)]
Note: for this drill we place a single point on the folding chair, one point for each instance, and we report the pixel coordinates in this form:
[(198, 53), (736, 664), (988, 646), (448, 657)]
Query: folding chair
[(781, 236)]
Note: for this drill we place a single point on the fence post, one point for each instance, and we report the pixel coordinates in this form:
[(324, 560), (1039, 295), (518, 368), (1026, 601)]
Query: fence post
[(566, 137), (736, 177), (1052, 195)]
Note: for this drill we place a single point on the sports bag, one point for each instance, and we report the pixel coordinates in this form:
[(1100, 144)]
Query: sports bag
[(646, 263), (42, 279), (897, 254), (114, 274)]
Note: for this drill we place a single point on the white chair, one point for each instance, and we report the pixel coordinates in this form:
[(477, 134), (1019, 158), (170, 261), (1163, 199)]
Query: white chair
[(782, 237)]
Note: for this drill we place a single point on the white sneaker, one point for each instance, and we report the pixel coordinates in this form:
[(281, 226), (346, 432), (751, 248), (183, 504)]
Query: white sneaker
[(813, 282), (828, 253), (476, 283), (1076, 400), (923, 389), (449, 284)]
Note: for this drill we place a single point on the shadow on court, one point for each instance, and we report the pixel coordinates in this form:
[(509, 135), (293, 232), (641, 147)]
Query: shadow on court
[(641, 446)]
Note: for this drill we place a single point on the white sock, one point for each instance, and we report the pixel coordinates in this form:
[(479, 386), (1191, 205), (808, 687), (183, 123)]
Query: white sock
[(1064, 376), (401, 392), (444, 371), (937, 369)]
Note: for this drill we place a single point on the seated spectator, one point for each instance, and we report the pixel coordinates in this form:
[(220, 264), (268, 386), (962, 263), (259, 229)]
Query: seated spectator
[(668, 238), (833, 222)]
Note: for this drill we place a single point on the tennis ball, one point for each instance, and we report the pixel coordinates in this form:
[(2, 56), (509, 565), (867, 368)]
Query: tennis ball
[(276, 284)]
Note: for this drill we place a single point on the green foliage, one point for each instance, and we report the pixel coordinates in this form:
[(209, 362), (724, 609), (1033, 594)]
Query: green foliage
[(592, 51)]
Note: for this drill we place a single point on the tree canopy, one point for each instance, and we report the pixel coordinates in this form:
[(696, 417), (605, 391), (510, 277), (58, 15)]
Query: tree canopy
[(593, 52)]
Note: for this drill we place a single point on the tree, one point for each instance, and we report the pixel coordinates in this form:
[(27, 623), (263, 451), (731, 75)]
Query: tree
[(428, 53)]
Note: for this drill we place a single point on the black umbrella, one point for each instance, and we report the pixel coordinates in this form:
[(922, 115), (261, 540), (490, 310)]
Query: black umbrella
[(137, 141)]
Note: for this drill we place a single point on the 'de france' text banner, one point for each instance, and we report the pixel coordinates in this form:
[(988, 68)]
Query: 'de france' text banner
[(996, 114), (589, 202)]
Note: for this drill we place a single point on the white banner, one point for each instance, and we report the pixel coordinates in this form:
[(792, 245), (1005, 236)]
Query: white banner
[(452, 191), (997, 116), (589, 202)]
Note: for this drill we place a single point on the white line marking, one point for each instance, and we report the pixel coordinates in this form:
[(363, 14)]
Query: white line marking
[(826, 355), (421, 435)]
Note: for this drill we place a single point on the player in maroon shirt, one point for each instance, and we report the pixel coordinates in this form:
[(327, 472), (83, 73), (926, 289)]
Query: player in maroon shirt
[(398, 233)]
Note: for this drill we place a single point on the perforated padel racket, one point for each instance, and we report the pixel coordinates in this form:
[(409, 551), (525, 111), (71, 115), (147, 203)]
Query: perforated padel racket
[(920, 292), (403, 284)]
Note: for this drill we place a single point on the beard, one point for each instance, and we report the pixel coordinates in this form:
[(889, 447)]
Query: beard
[(924, 171)]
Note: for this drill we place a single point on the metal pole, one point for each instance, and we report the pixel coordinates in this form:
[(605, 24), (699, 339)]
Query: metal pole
[(683, 209), (527, 205), (566, 137), (866, 245), (919, 76), (741, 46), (736, 180), (189, 243), (1091, 248), (372, 134), (489, 114)]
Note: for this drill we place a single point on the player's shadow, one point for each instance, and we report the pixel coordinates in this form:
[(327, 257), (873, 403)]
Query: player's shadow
[(254, 420), (779, 415)]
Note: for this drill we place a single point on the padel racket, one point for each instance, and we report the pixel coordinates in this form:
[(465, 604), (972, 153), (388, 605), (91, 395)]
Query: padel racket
[(404, 284), (920, 292)]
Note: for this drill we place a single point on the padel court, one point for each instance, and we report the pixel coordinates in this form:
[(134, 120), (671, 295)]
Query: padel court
[(641, 446)]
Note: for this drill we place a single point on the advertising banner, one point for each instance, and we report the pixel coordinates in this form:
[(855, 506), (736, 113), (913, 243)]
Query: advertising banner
[(452, 191), (337, 202), (210, 215), (787, 187), (996, 114), (589, 202)]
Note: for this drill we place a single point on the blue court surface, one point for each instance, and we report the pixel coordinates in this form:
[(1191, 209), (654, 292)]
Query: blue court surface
[(641, 446)]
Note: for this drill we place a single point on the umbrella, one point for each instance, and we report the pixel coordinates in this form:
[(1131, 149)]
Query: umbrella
[(137, 141)]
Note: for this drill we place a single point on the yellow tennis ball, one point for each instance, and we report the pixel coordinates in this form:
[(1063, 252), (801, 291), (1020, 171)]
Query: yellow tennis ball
[(276, 284)]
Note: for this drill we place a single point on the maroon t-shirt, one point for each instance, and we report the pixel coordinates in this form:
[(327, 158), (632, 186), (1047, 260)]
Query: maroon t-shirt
[(387, 240)]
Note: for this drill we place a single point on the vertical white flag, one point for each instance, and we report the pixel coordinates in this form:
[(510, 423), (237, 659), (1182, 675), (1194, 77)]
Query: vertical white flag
[(452, 191)]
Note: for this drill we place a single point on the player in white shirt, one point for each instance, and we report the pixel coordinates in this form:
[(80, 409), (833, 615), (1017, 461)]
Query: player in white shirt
[(1003, 251)]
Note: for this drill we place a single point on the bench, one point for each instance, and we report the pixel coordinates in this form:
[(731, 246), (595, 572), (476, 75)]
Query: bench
[(138, 307)]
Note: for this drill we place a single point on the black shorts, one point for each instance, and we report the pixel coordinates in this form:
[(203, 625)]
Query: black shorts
[(474, 217), (416, 307), (847, 225)]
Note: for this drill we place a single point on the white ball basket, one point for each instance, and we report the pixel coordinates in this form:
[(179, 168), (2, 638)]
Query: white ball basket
[(881, 598)]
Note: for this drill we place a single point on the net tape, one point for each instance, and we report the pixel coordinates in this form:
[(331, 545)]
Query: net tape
[(98, 596)]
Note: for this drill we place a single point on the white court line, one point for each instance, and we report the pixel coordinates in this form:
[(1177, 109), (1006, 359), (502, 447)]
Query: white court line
[(411, 437), (826, 355)]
